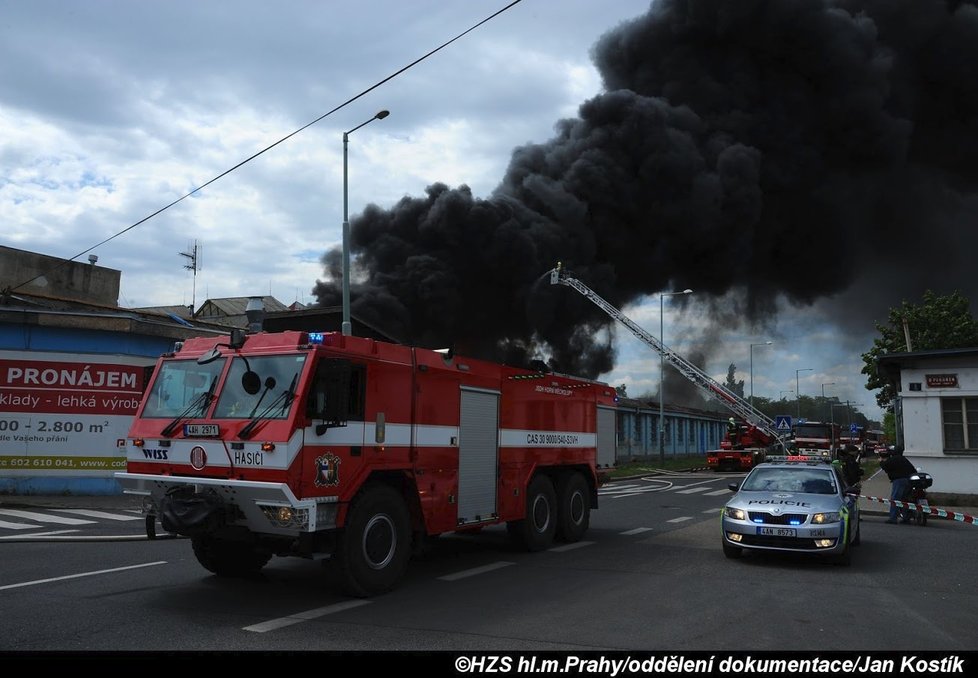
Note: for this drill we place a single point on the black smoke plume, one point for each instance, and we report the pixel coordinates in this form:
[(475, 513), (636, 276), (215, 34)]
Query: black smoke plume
[(782, 150)]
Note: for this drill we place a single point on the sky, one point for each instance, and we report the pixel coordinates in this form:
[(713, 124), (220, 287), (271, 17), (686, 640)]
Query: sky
[(800, 165)]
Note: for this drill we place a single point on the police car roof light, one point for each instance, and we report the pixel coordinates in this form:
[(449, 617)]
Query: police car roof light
[(796, 457)]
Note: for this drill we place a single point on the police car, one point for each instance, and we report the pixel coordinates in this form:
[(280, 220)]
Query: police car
[(794, 503)]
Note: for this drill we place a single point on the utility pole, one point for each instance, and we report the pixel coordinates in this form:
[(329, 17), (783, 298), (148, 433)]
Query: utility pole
[(192, 256)]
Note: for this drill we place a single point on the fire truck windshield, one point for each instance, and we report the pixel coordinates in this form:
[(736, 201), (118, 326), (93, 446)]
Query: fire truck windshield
[(256, 382), (179, 388), (813, 431)]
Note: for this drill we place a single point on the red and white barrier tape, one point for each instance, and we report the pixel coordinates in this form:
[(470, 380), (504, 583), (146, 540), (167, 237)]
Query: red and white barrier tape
[(942, 513)]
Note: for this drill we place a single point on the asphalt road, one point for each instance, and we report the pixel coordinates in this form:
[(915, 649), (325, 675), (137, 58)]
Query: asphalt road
[(649, 575)]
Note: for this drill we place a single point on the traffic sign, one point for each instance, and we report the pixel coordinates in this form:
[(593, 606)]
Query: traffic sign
[(782, 422), (853, 428)]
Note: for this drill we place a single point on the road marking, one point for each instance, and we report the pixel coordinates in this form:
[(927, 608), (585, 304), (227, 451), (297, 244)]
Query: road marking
[(690, 490), (44, 517), (680, 519), (300, 617), (713, 510), (475, 570), (17, 526), (570, 547), (33, 535), (81, 574), (637, 530), (99, 514), (717, 493)]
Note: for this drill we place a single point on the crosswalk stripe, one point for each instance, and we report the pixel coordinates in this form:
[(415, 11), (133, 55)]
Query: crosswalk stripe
[(44, 517), (99, 514), (16, 526)]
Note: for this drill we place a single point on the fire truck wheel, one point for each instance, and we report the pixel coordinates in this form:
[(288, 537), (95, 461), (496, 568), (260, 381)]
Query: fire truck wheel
[(228, 558), (573, 507), (536, 531), (375, 546)]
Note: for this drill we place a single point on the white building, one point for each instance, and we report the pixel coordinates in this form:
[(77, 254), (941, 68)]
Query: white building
[(937, 414)]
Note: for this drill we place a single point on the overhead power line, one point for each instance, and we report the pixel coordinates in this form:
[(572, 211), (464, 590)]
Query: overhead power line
[(273, 145)]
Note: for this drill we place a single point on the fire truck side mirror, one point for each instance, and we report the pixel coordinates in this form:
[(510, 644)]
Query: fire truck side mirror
[(330, 397), (380, 432)]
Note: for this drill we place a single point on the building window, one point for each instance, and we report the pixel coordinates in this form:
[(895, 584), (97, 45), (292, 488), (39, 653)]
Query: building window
[(959, 417)]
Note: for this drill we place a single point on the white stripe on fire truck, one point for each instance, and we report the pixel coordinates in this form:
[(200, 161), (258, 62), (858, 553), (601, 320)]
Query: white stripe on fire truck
[(354, 433), (526, 438)]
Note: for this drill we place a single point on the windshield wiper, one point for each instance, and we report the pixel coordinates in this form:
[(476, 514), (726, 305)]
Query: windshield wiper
[(199, 403), (283, 400)]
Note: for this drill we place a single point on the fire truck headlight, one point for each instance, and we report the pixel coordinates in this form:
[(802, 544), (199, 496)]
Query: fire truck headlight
[(822, 518), (286, 516), (735, 513)]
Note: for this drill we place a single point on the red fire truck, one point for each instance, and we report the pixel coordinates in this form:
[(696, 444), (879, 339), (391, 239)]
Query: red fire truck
[(817, 438), (744, 447), (325, 445)]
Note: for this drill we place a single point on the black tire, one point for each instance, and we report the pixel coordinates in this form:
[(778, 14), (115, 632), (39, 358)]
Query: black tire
[(227, 558), (731, 551), (859, 534), (536, 531), (374, 547), (845, 558), (151, 526), (573, 507)]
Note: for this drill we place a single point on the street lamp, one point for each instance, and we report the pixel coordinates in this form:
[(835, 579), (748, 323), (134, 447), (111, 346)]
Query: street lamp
[(781, 396), (798, 390), (766, 343), (662, 366), (347, 327), (828, 383)]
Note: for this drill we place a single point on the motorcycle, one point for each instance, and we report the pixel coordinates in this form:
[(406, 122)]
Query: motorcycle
[(917, 494)]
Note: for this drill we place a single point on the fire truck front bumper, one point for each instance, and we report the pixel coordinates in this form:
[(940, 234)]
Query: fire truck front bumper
[(194, 505)]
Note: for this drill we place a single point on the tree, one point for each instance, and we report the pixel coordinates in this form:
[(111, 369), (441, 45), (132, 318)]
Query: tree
[(937, 322), (731, 384), (620, 390)]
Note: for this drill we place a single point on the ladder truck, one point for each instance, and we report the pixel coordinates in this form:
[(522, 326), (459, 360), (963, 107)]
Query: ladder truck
[(760, 423)]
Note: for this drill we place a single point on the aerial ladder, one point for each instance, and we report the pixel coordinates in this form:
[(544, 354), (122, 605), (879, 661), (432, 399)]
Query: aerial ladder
[(714, 389)]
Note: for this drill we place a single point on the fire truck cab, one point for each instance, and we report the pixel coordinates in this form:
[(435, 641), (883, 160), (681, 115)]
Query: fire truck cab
[(817, 438), (352, 449)]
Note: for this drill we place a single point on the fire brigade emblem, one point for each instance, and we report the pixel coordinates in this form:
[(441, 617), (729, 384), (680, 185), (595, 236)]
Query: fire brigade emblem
[(327, 470)]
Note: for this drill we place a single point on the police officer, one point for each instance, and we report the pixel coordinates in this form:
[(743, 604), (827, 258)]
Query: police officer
[(898, 469)]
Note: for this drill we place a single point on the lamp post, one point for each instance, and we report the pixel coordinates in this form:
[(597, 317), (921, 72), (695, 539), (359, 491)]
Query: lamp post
[(829, 383), (347, 327), (798, 390), (781, 396), (662, 367), (766, 343)]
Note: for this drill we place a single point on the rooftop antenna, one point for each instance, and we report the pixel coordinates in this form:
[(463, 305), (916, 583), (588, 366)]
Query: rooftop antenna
[(193, 257)]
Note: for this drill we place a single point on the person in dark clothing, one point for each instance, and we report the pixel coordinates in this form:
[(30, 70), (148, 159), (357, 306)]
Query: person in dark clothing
[(851, 470), (898, 469)]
